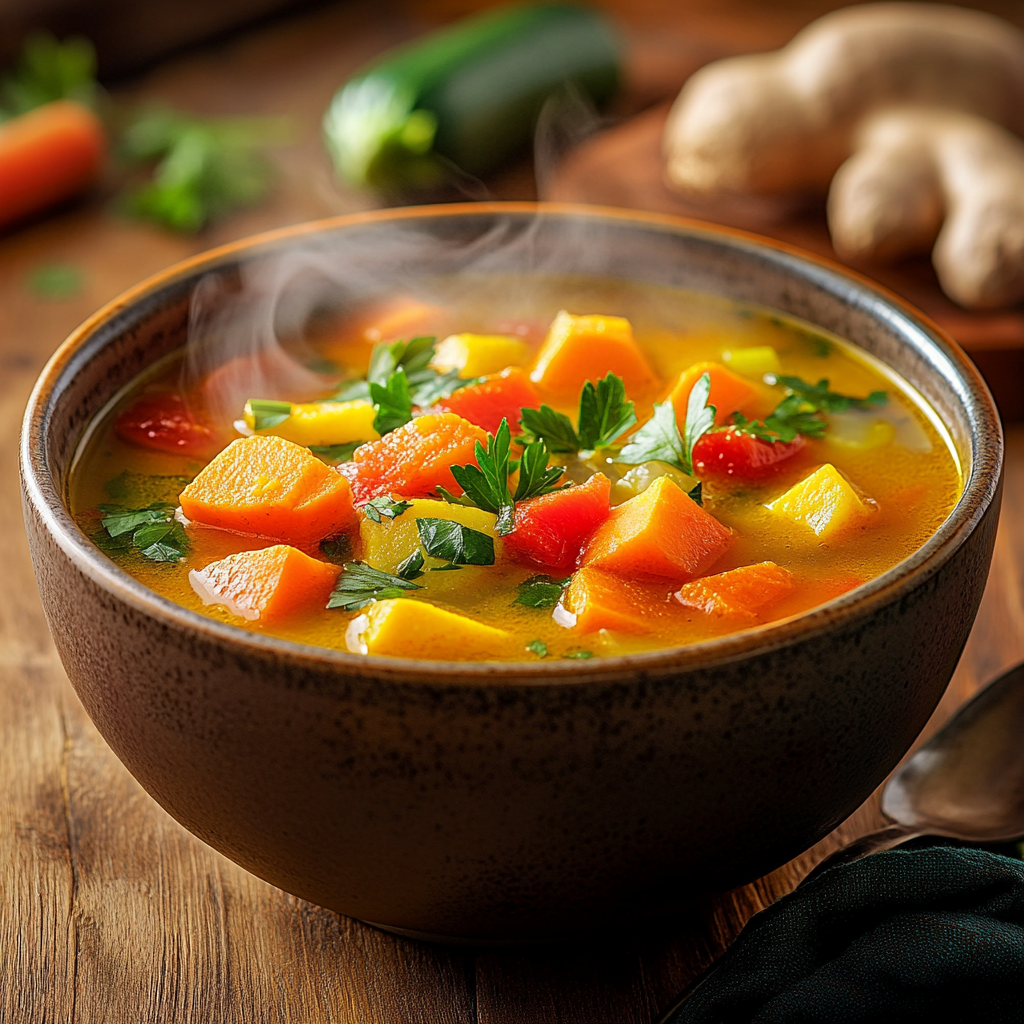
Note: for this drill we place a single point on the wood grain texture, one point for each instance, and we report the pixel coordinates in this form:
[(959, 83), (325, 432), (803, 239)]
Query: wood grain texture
[(109, 911)]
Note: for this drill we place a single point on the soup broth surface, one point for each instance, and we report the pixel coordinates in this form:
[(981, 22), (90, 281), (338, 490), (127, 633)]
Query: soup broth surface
[(896, 456)]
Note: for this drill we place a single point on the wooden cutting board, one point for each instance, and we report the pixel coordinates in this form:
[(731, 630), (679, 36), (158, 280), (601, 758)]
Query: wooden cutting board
[(622, 166)]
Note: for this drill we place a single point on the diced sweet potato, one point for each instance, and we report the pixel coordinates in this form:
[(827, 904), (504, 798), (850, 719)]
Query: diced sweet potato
[(599, 600), (403, 628), (744, 593), (501, 396), (475, 355), (552, 530), (826, 503), (661, 532), (272, 584), (415, 459), (729, 393), (270, 487), (323, 423), (582, 348)]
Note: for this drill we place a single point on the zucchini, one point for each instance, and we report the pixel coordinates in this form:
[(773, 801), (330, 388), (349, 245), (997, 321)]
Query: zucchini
[(468, 95)]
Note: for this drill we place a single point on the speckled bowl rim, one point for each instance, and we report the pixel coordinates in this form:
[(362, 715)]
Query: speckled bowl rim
[(980, 487)]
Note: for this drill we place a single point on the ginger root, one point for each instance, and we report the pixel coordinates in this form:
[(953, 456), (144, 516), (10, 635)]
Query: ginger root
[(914, 113)]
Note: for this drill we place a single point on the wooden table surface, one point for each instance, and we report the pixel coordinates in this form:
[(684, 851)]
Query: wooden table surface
[(109, 910)]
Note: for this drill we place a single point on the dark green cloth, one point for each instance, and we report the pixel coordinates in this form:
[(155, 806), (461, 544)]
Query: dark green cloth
[(930, 934)]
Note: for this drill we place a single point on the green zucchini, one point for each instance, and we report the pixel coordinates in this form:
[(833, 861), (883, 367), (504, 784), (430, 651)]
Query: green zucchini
[(468, 95)]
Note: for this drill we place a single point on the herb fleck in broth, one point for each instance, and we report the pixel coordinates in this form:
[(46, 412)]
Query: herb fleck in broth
[(894, 455)]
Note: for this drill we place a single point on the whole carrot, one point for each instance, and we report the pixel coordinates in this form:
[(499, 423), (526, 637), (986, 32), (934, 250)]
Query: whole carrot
[(47, 155)]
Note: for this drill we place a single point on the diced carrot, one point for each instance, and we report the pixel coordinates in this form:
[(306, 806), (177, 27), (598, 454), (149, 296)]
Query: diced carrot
[(599, 600), (729, 392), (414, 460), (553, 529), (661, 532), (582, 348), (744, 593), (500, 396), (400, 317), (270, 487), (49, 154), (272, 584)]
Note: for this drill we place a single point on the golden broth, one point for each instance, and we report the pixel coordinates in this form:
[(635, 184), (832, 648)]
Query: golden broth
[(910, 471)]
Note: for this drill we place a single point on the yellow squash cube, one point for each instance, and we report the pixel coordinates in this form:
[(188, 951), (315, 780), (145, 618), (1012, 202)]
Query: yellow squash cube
[(825, 502), (753, 362), (475, 355), (323, 423), (403, 628)]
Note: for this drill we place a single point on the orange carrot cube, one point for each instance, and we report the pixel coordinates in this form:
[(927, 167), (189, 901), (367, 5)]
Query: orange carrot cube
[(269, 585), (744, 593), (661, 532), (729, 392), (582, 348), (270, 487), (500, 396), (415, 459), (599, 600)]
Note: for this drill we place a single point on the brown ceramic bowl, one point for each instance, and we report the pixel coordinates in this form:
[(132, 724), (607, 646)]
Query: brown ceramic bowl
[(515, 801)]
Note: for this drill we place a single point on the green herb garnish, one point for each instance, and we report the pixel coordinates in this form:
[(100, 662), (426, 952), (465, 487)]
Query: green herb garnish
[(455, 543), (538, 647), (579, 654), (152, 531), (697, 493), (535, 476), (333, 454), (55, 281), (824, 400), (393, 402), (604, 415), (375, 508), (360, 584), (49, 70), (541, 591), (659, 440), (267, 413), (411, 568)]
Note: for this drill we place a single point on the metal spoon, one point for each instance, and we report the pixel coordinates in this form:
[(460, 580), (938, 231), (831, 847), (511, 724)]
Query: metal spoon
[(966, 782)]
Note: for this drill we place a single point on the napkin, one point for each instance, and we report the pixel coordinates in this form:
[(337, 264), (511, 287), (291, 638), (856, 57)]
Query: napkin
[(932, 933)]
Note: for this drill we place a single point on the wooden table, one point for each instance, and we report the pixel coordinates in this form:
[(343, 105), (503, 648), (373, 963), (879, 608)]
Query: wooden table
[(109, 911)]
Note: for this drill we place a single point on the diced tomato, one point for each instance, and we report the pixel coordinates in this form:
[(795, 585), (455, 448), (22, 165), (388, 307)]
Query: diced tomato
[(731, 454), (552, 530), (500, 396), (164, 423)]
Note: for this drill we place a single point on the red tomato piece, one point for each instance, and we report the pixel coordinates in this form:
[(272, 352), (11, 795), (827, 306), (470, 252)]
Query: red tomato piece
[(164, 423), (553, 530), (728, 453), (497, 397)]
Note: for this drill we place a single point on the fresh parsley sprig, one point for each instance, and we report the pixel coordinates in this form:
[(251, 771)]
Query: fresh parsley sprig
[(153, 531), (386, 508), (393, 401), (604, 416), (541, 591), (822, 398), (49, 70), (486, 483), (455, 543), (659, 440), (360, 584)]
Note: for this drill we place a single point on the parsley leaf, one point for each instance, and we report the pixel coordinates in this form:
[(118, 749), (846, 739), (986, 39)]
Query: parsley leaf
[(411, 568), (49, 70), (486, 483), (659, 440), (386, 507), (696, 493), (541, 591), (535, 476), (824, 400), (579, 654), (152, 531), (538, 647), (204, 166), (360, 584), (351, 391), (393, 401), (267, 413), (455, 543), (604, 413), (333, 454)]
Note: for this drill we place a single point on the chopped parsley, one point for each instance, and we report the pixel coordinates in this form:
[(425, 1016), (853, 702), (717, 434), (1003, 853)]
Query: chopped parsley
[(822, 398), (360, 584), (411, 568), (541, 591), (604, 415), (385, 507), (393, 401), (454, 543), (579, 654), (538, 647), (152, 532), (267, 413)]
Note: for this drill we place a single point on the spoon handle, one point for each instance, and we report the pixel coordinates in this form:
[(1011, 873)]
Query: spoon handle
[(874, 842)]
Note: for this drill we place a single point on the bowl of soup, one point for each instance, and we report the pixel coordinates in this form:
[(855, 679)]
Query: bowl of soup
[(495, 572)]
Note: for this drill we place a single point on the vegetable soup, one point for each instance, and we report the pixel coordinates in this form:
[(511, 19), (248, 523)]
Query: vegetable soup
[(557, 469)]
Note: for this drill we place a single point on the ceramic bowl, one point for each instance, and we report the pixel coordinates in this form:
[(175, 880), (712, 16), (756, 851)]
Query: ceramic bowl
[(505, 802)]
